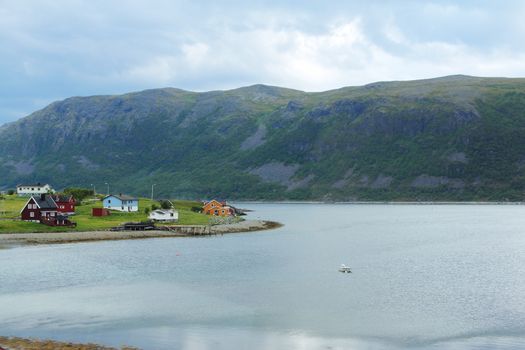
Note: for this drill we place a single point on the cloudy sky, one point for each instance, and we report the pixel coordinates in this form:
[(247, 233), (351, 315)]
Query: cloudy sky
[(51, 50)]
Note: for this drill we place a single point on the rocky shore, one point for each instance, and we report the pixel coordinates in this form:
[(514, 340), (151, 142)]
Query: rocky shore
[(10, 239), (15, 343)]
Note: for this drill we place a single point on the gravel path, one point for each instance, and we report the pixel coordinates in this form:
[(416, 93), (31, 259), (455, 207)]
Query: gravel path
[(9, 239)]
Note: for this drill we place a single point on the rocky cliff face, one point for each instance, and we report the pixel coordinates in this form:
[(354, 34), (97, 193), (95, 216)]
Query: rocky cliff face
[(451, 138)]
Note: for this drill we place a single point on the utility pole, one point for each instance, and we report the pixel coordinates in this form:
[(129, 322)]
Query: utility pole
[(152, 191), (94, 190), (105, 183)]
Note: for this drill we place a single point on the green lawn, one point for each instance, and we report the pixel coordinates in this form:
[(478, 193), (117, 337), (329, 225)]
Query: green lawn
[(10, 207)]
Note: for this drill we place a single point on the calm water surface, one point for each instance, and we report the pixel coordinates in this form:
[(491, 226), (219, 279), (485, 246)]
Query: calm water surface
[(424, 277)]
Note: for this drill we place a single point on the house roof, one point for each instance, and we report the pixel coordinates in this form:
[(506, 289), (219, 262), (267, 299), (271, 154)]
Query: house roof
[(223, 204), (122, 197), (163, 211), (215, 201), (46, 202), (62, 198), (32, 185)]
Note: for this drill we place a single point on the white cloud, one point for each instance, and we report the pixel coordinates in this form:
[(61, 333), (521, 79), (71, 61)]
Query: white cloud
[(54, 49)]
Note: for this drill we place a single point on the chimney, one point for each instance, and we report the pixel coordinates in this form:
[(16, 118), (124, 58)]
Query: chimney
[(42, 197)]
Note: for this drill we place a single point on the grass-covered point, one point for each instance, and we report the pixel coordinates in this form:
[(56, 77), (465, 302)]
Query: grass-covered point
[(10, 207)]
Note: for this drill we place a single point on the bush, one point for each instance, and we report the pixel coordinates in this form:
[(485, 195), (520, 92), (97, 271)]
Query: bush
[(11, 192), (146, 210), (196, 209), (164, 204), (78, 193), (154, 207)]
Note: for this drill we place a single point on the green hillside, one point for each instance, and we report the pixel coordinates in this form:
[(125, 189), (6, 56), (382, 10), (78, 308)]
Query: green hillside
[(450, 138)]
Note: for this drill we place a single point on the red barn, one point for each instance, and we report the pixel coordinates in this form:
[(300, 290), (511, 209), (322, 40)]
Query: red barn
[(38, 207), (65, 204), (100, 212)]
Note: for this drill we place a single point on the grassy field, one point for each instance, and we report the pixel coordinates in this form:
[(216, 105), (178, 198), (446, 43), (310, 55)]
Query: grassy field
[(10, 207)]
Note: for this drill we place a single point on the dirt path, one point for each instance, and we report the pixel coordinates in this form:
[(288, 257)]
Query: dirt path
[(10, 239)]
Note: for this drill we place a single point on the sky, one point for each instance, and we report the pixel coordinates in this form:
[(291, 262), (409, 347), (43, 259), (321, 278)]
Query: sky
[(51, 50)]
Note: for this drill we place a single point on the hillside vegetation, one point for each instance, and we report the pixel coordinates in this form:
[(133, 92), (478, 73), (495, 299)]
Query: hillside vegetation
[(451, 138)]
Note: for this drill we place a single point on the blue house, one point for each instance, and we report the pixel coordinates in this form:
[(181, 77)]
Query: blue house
[(121, 203)]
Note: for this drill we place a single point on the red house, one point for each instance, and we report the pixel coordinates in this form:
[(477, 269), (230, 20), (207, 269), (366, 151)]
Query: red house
[(44, 209), (65, 204), (38, 207)]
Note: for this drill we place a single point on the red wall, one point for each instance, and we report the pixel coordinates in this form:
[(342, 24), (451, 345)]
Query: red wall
[(26, 212), (100, 212), (69, 207)]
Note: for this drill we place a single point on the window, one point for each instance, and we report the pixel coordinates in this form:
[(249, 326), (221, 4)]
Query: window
[(31, 214), (109, 201)]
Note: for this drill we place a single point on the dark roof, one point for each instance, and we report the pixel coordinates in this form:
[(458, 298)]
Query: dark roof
[(46, 202), (121, 197), (62, 198)]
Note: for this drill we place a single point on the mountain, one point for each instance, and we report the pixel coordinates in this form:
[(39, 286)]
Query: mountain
[(450, 138)]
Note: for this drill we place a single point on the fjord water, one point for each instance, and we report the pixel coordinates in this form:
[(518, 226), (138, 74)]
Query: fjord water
[(424, 277)]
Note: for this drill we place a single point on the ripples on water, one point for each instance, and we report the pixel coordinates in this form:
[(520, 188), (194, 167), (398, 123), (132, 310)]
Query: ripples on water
[(424, 277)]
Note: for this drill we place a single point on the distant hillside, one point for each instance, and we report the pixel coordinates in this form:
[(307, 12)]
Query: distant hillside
[(450, 138)]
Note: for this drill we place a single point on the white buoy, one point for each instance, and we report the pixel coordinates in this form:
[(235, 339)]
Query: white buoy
[(345, 269)]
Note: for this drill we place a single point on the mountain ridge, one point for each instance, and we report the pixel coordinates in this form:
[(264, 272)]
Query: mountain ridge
[(448, 138)]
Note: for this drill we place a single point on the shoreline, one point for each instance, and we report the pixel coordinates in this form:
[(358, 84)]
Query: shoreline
[(384, 202), (19, 239), (20, 343)]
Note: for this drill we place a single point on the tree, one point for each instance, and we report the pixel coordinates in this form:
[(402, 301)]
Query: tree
[(146, 210), (165, 204), (11, 192), (154, 207), (78, 193)]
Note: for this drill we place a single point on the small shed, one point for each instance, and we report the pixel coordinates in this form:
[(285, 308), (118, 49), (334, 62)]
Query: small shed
[(100, 212), (164, 215)]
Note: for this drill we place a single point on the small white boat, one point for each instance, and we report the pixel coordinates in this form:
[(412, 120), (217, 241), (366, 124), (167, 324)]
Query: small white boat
[(345, 269)]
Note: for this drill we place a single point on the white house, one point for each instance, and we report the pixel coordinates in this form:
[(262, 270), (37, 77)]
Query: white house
[(33, 190), (164, 215), (121, 202)]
